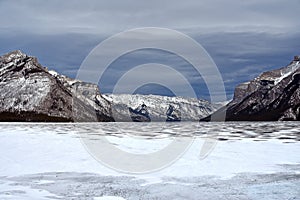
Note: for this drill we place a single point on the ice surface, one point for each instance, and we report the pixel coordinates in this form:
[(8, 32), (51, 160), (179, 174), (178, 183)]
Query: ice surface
[(108, 198), (44, 161), (9, 191)]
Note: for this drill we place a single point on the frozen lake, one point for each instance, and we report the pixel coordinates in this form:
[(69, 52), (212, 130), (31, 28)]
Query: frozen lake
[(246, 160)]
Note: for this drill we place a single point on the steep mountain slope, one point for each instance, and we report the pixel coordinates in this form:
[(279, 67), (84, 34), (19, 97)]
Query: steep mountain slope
[(29, 92), (272, 96), (191, 109)]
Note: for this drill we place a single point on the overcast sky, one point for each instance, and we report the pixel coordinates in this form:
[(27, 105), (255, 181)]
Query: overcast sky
[(244, 38)]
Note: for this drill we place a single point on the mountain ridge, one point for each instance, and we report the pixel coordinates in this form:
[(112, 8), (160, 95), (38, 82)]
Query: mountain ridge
[(272, 96), (191, 109)]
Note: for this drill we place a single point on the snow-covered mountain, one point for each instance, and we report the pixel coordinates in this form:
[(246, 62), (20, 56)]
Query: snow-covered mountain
[(30, 92), (273, 95), (191, 109)]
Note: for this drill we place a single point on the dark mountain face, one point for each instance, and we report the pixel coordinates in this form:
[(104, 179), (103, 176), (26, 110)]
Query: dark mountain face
[(272, 96), (29, 92)]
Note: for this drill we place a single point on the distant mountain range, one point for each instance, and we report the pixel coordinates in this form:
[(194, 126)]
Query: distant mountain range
[(31, 92), (190, 109)]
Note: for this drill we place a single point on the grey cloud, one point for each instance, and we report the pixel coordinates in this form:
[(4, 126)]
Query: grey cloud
[(106, 17)]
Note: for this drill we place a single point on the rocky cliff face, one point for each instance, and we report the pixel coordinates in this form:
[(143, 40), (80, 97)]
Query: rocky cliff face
[(29, 92), (272, 96)]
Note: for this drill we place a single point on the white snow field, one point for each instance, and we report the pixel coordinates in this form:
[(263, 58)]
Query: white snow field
[(249, 161)]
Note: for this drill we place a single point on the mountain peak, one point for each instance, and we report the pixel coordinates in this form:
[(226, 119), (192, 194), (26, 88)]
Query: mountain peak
[(297, 58), (13, 56)]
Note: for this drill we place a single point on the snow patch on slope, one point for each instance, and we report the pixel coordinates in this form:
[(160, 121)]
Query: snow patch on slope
[(287, 72)]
